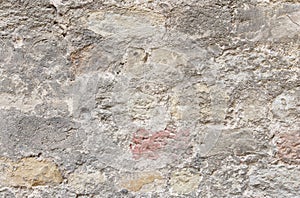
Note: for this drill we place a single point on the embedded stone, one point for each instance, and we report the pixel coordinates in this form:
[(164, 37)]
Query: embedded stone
[(143, 181), (29, 172), (184, 181)]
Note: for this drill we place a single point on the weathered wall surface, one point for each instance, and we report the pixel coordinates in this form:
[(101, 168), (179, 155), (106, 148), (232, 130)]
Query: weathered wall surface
[(149, 98)]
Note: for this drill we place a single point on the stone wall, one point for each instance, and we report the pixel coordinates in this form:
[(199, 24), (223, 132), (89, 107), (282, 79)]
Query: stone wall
[(149, 98)]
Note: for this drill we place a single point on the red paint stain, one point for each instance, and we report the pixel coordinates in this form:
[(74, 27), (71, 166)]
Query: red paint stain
[(147, 145)]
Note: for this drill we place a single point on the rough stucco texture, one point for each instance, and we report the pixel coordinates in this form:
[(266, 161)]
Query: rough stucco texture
[(149, 98)]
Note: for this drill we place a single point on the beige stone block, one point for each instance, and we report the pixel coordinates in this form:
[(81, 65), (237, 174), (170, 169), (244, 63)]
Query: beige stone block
[(29, 172), (184, 181), (143, 181)]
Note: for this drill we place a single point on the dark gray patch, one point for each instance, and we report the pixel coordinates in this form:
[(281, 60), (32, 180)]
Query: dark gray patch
[(204, 21), (23, 135)]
